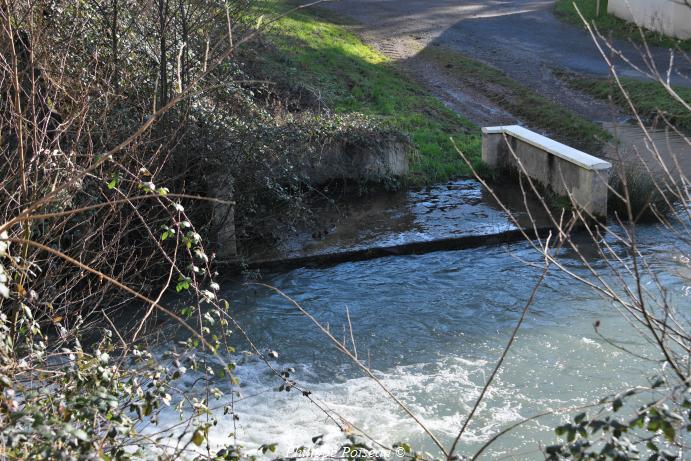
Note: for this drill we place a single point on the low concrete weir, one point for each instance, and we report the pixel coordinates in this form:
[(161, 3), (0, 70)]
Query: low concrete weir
[(562, 169), (413, 248)]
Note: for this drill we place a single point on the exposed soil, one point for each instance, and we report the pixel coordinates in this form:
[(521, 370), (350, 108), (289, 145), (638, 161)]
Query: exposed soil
[(462, 95)]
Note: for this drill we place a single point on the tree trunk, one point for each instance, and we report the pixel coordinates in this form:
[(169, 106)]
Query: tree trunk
[(163, 66), (114, 46)]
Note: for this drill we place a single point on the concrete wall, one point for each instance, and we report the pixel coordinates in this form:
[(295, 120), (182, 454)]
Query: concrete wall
[(671, 17), (388, 158), (560, 168), (385, 159)]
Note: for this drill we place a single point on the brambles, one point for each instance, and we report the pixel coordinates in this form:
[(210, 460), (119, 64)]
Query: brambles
[(122, 126)]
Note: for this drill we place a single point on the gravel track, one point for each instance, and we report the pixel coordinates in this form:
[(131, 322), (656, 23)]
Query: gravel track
[(522, 38)]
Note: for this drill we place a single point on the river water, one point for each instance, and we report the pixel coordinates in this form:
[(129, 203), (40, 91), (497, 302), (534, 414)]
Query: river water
[(431, 327)]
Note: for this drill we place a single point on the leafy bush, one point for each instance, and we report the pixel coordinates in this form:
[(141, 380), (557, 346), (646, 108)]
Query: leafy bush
[(609, 435)]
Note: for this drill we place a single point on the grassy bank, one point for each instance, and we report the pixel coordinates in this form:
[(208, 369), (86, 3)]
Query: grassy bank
[(650, 98), (520, 100), (608, 24), (315, 49)]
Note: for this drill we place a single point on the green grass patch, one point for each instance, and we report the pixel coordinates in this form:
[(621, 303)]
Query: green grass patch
[(351, 77), (521, 101), (650, 99), (611, 24)]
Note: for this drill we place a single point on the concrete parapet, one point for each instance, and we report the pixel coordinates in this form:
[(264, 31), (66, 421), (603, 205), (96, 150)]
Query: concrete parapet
[(562, 169)]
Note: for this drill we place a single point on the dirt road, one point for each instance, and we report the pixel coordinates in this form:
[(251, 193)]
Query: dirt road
[(522, 38)]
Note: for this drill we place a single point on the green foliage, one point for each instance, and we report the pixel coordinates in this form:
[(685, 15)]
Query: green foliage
[(92, 405), (183, 284), (623, 432), (607, 24), (82, 408), (72, 385), (61, 400)]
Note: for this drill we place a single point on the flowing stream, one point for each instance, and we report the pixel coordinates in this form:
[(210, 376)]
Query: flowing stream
[(432, 327)]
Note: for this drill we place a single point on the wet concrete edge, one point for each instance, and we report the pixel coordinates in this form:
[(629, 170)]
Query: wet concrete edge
[(412, 248)]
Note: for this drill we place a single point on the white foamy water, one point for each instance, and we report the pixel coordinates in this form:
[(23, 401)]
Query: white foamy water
[(432, 328)]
